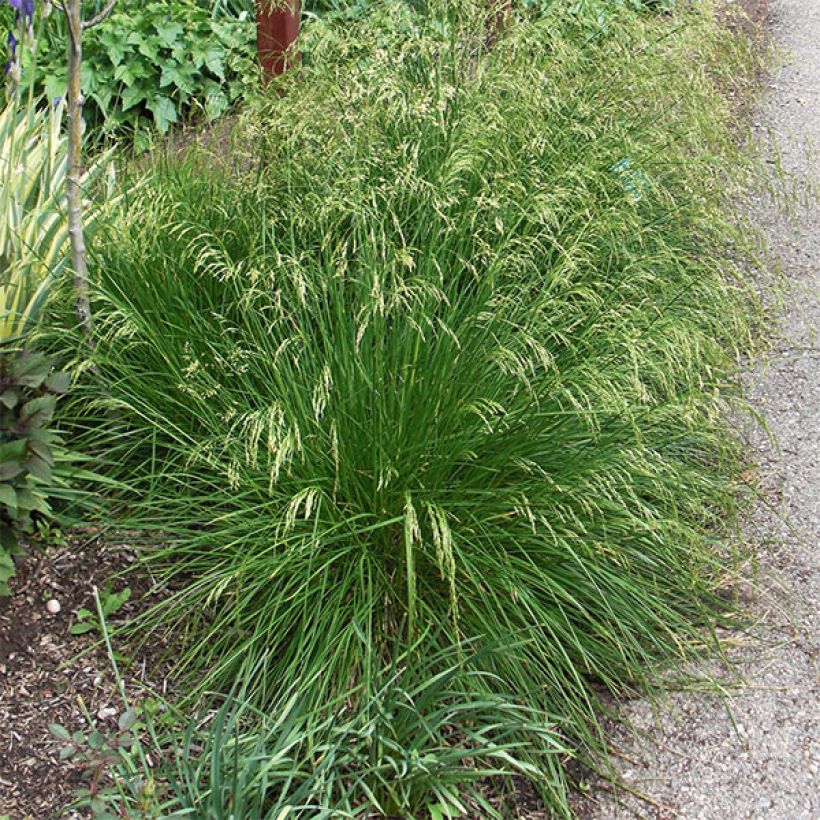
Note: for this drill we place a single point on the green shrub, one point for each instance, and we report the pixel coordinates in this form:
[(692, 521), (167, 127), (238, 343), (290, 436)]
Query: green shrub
[(28, 393), (454, 348)]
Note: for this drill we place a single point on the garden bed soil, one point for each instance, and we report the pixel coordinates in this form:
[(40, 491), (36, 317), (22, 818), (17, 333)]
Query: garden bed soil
[(48, 675)]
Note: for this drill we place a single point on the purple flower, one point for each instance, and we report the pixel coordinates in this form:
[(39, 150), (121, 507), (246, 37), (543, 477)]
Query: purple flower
[(12, 65), (25, 9)]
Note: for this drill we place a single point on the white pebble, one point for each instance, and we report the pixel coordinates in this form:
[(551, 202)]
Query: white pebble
[(53, 606)]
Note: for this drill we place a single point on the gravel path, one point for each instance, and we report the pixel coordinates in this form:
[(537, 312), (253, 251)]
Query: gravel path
[(763, 761)]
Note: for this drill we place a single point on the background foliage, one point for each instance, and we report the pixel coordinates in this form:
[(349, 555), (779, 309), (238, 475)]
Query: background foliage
[(150, 65)]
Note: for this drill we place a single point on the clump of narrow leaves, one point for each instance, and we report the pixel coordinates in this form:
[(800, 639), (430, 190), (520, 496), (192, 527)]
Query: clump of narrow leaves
[(450, 358), (415, 746), (29, 388)]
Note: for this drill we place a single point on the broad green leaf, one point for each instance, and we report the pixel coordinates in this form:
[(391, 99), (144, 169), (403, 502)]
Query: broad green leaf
[(30, 501), (216, 104), (38, 412), (115, 46), (39, 469), (150, 48), (126, 73), (170, 33), (178, 76), (137, 94), (164, 111), (13, 451), (127, 719), (59, 382), (113, 602), (42, 450), (55, 85), (31, 369), (10, 470), (59, 731), (9, 399)]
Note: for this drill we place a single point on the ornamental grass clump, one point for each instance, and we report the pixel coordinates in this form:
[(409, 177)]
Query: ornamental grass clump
[(452, 345)]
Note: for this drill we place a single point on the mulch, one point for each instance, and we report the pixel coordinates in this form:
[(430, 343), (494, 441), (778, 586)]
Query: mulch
[(48, 675)]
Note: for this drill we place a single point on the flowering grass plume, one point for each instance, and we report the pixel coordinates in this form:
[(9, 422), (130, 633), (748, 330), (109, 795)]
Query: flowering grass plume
[(425, 368)]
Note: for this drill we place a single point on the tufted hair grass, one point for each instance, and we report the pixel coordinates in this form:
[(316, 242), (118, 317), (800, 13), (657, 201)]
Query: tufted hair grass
[(453, 343)]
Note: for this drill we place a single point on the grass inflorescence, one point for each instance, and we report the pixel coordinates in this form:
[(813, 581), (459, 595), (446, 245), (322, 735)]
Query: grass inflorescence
[(445, 357)]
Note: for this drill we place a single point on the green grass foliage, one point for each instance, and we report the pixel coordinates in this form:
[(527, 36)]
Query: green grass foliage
[(445, 354), (396, 752)]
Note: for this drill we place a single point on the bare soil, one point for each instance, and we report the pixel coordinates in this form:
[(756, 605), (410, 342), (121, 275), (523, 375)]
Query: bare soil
[(48, 675)]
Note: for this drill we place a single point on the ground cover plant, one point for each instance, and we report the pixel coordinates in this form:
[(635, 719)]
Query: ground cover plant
[(442, 360), (414, 746), (150, 65)]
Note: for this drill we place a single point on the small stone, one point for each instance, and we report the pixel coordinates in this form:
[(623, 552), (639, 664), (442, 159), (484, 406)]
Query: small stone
[(106, 712), (53, 606)]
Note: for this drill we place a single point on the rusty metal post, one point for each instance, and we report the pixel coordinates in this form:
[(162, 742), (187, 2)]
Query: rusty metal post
[(277, 30)]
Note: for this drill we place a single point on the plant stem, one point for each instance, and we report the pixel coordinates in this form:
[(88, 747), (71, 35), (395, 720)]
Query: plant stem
[(75, 195)]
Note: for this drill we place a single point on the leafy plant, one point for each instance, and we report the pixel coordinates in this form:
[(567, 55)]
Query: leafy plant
[(28, 394), (111, 602), (149, 64), (97, 752)]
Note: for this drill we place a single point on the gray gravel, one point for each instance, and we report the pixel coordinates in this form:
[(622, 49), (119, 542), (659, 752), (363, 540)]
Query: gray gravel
[(760, 757)]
